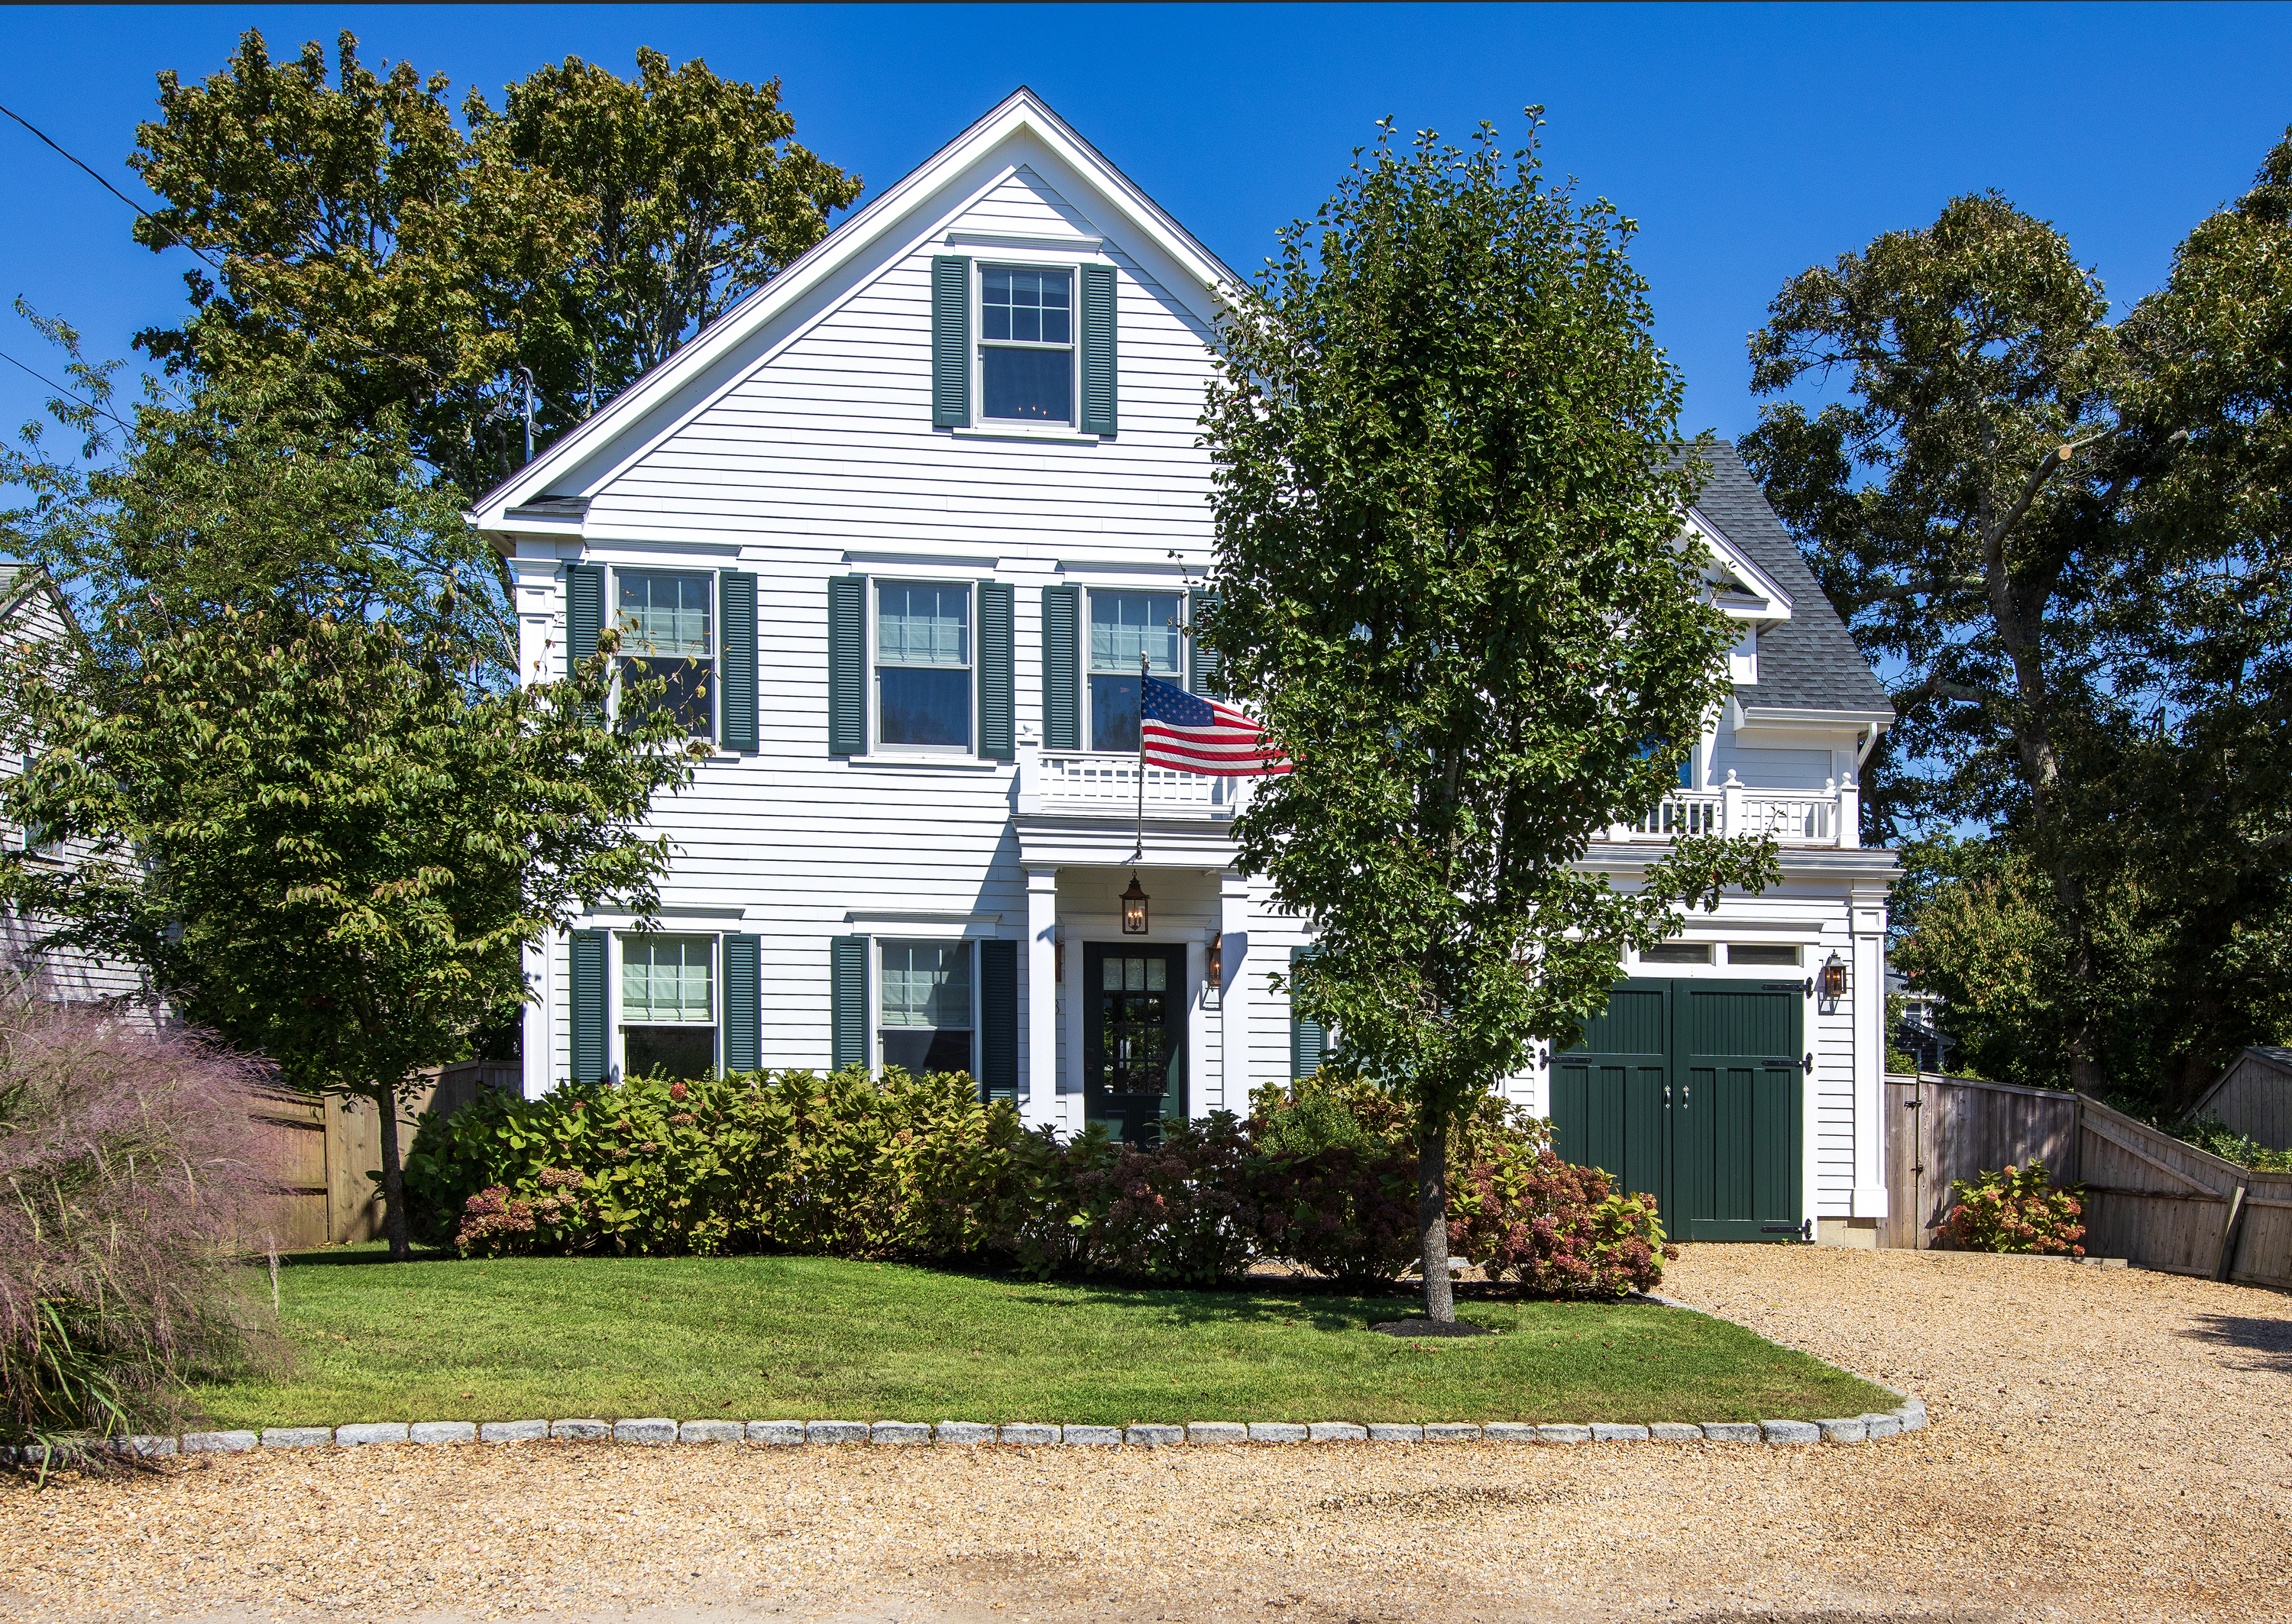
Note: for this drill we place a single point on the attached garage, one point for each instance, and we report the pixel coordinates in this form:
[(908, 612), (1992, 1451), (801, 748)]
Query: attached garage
[(1693, 1091)]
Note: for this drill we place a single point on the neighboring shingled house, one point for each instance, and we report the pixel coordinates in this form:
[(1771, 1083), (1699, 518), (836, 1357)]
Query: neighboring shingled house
[(32, 610)]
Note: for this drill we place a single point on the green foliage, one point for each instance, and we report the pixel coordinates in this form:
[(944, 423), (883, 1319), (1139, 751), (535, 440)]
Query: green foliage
[(2015, 1210), (2064, 537), (2221, 1140), (1447, 503), (260, 490), (901, 1166), (318, 838), (347, 223), (769, 1160)]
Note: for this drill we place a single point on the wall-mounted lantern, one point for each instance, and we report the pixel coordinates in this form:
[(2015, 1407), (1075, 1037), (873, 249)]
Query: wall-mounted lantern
[(1830, 981), (1133, 908), (1217, 962)]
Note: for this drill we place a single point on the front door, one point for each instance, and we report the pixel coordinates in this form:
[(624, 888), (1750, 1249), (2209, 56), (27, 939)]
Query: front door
[(1133, 1038), (1689, 1090)]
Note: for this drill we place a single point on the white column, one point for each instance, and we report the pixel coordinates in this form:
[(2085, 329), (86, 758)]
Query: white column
[(1867, 986), (1198, 1028), (1074, 1107), (538, 1045), (1041, 1103), (1233, 997)]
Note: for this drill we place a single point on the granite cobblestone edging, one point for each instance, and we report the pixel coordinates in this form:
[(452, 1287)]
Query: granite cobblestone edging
[(1910, 1416)]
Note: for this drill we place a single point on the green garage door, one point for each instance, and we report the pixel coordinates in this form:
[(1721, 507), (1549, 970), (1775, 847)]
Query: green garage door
[(1690, 1091)]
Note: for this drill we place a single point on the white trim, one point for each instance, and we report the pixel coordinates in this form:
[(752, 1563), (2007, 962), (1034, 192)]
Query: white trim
[(1780, 603), (1083, 248), (983, 427), (920, 755)]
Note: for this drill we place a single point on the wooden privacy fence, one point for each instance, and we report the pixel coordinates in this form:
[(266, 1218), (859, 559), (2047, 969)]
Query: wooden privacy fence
[(2151, 1199), (322, 1152)]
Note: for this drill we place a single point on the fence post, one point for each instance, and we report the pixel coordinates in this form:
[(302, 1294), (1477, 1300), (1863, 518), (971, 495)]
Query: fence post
[(2229, 1226)]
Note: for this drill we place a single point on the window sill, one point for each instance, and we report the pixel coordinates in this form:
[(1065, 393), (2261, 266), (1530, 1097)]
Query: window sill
[(962, 763), (1022, 431)]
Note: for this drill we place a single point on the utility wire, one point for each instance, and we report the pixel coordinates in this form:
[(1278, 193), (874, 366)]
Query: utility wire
[(66, 393), (180, 240)]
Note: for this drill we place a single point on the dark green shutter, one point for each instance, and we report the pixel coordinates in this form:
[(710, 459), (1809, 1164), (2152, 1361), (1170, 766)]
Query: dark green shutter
[(1098, 365), (847, 1015), (588, 1006), (999, 1020), (1062, 668), (998, 686), (847, 666), (744, 1003), (585, 610), (1308, 1042), (1206, 668), (736, 679), (950, 342)]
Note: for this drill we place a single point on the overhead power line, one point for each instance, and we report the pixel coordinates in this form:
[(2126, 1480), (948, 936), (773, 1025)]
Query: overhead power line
[(66, 393)]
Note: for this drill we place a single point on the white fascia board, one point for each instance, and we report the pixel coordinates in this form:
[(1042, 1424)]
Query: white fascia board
[(1742, 718), (1021, 132), (1780, 603)]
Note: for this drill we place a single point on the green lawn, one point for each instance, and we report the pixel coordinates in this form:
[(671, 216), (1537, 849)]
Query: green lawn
[(807, 1337)]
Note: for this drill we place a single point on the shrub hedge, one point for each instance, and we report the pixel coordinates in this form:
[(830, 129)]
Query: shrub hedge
[(1320, 1174)]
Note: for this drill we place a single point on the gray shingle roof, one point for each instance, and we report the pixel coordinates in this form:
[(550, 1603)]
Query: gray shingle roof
[(1809, 660)]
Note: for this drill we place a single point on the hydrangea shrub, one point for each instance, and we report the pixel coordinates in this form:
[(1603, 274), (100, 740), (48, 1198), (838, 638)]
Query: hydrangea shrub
[(1320, 1174), (2015, 1210)]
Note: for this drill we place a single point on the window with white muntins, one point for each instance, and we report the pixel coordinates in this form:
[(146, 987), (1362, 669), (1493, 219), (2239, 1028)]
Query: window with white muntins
[(666, 623), (922, 665), (1026, 344), (668, 1005), (1124, 626), (923, 1016)]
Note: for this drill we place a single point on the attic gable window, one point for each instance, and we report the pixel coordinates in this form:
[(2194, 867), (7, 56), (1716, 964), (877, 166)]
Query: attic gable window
[(1026, 350)]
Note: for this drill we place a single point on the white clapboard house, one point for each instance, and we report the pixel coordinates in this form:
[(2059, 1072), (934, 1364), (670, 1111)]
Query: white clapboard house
[(898, 529)]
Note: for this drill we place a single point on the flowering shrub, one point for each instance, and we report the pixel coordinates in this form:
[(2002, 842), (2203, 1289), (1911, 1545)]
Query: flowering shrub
[(1561, 1231), (1322, 1174), (2015, 1210)]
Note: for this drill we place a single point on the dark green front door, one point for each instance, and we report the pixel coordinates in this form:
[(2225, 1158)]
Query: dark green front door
[(1690, 1090), (1134, 1038)]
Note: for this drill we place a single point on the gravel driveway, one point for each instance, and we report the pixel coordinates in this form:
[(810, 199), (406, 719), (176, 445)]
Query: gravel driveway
[(2104, 1445)]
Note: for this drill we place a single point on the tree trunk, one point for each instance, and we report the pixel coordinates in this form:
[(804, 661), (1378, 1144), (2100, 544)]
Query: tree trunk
[(1433, 1218), (393, 1180)]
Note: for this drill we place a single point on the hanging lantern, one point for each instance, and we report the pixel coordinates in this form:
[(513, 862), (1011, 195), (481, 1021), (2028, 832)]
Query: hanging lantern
[(1133, 908)]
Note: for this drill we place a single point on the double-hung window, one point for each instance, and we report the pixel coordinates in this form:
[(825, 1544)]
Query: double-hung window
[(668, 1005), (667, 622), (922, 665), (1026, 348), (1124, 626), (925, 1014)]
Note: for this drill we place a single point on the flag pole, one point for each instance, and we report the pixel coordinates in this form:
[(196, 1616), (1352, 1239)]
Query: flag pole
[(1138, 850)]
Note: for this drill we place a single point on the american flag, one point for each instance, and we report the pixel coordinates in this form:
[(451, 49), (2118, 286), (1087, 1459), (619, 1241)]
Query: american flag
[(1200, 735)]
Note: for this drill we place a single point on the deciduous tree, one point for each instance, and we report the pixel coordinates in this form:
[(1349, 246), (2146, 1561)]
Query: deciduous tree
[(1450, 577)]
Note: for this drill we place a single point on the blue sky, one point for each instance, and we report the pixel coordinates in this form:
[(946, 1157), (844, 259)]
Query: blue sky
[(1750, 141)]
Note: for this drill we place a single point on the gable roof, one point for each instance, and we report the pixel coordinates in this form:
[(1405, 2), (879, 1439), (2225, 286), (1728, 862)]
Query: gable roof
[(1020, 116), (1809, 662)]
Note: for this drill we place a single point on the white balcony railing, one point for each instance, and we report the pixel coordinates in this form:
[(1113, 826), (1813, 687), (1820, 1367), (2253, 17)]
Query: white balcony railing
[(1827, 816), (1080, 783)]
